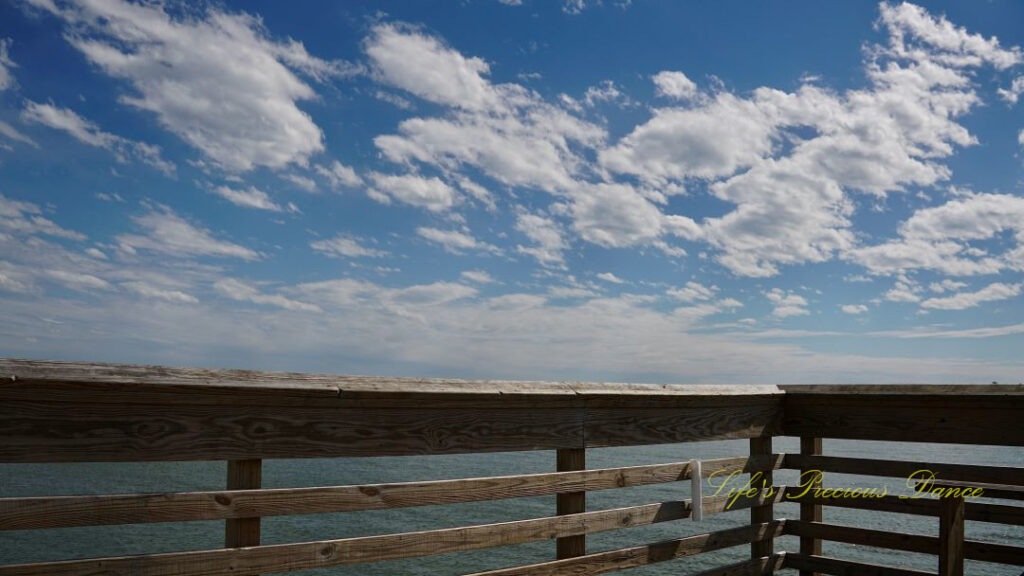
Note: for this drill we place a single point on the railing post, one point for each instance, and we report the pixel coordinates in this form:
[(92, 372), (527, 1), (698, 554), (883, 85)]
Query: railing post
[(951, 536), (570, 459), (243, 475), (810, 446), (765, 513)]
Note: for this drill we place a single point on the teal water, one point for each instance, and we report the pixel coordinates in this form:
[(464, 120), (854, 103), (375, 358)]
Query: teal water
[(67, 543)]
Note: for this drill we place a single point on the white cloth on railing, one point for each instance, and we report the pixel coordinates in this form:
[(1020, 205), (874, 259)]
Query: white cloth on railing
[(696, 497)]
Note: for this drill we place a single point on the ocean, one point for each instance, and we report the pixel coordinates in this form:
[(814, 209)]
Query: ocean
[(111, 478)]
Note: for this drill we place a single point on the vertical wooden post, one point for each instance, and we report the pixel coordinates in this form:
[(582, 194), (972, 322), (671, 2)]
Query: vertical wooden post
[(765, 513), (810, 512), (243, 475), (951, 536), (570, 459)]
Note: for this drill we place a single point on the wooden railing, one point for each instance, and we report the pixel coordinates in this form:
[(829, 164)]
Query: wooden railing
[(60, 412)]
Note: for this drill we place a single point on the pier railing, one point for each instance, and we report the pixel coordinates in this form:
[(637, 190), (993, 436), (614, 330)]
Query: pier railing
[(62, 412)]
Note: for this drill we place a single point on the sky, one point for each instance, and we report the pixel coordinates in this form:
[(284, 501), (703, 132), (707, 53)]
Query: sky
[(730, 192)]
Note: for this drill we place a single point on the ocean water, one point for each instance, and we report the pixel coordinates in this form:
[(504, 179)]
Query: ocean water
[(104, 478)]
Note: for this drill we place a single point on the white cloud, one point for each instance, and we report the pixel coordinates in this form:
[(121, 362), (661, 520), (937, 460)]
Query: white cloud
[(250, 198), (77, 280), (787, 304), (507, 131), (946, 285), (1012, 93), (692, 292), (454, 241), (157, 293), (12, 133), (345, 246), (6, 78), (406, 58), (429, 193), (339, 175), (611, 278), (306, 184), (546, 235), (26, 218), (615, 216), (963, 300), (242, 292), (674, 85), (707, 142), (940, 238), (215, 79), (854, 308), (478, 276), (905, 290), (165, 232), (87, 132)]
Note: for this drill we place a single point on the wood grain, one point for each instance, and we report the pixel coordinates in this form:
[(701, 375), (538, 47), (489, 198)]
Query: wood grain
[(828, 565), (765, 513), (991, 419), (635, 556), (307, 555), (951, 536), (810, 512), (571, 503), (64, 511), (903, 469)]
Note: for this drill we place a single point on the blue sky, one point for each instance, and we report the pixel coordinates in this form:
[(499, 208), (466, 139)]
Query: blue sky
[(645, 191)]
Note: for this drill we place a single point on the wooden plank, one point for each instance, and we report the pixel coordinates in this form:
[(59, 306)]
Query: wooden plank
[(754, 567), (45, 431), (810, 512), (951, 536), (965, 419), (307, 555), (903, 469), (765, 513), (1001, 491), (571, 503), (65, 511), (224, 386), (622, 559), (975, 511), (863, 537), (973, 549), (243, 475), (835, 566)]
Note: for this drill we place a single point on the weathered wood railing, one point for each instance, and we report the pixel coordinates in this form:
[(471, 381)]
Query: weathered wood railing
[(59, 412)]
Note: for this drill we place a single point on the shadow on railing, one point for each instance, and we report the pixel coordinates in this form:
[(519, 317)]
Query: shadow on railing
[(58, 412)]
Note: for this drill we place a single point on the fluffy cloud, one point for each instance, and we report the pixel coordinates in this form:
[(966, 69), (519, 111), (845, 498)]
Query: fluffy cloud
[(339, 175), (693, 291), (786, 304), (164, 232), (251, 197), (345, 246), (454, 241), (963, 300), (674, 85), (25, 218), (87, 132), (943, 238), (546, 234), (217, 80), (238, 290), (854, 308), (431, 193)]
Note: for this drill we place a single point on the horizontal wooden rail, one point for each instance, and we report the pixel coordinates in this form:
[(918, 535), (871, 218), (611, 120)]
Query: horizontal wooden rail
[(306, 555), (989, 490), (973, 550), (614, 560), (976, 511), (64, 511), (903, 469), (826, 565)]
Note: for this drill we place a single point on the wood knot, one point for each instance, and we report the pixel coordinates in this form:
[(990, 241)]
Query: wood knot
[(369, 490), (222, 500)]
